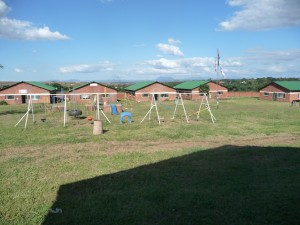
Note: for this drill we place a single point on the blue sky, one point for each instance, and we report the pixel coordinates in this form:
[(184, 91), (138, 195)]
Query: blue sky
[(147, 39)]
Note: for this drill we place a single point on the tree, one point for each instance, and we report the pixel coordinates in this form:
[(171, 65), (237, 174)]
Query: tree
[(204, 89)]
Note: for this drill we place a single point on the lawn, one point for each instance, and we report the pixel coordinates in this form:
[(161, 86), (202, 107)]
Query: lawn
[(244, 169)]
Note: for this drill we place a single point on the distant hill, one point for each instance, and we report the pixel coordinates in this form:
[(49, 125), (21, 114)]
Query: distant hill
[(165, 79)]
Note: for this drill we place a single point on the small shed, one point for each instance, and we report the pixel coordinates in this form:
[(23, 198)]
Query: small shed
[(87, 93), (190, 89), (142, 91), (283, 91), (19, 93)]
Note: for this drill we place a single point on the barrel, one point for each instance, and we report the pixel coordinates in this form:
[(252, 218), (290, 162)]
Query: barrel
[(98, 127)]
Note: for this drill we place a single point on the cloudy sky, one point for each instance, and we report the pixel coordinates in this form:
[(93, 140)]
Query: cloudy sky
[(147, 39)]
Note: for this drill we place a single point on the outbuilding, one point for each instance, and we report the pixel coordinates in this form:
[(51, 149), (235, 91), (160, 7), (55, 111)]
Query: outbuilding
[(190, 89), (283, 91), (19, 93), (143, 91)]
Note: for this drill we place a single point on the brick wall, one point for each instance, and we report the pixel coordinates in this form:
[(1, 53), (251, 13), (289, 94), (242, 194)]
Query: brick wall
[(156, 87), (243, 94), (111, 94), (19, 99), (271, 91)]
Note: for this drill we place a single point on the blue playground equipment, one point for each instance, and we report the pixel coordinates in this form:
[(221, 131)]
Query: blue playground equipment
[(124, 114), (114, 110)]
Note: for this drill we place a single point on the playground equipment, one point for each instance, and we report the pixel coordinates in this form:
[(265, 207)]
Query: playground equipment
[(153, 104), (205, 104), (125, 114), (114, 110), (29, 108)]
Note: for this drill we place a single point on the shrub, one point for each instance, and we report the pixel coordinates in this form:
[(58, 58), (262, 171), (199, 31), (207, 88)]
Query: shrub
[(3, 103)]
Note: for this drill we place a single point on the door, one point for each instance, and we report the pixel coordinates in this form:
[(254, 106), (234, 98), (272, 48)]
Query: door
[(274, 96), (23, 99)]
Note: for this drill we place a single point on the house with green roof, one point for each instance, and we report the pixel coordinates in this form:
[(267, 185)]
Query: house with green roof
[(86, 92), (191, 89), (19, 93), (283, 91), (145, 90)]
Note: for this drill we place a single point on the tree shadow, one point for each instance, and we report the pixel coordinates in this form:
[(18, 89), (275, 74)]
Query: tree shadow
[(225, 185)]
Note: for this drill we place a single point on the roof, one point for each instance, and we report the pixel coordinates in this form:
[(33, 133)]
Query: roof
[(189, 85), (34, 83), (138, 86), (41, 85), (81, 85), (87, 83), (289, 85)]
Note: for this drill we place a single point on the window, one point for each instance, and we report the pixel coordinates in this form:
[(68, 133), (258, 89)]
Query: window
[(220, 92), (9, 97), (84, 97), (164, 95), (35, 97), (145, 95), (299, 95), (280, 95), (266, 93)]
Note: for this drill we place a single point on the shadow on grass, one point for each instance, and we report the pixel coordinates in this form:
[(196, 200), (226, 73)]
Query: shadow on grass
[(226, 185)]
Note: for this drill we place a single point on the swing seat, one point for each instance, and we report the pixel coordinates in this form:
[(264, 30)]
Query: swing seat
[(75, 112)]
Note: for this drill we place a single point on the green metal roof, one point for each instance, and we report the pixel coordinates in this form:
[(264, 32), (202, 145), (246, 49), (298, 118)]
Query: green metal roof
[(81, 85), (139, 85), (290, 85), (189, 85), (41, 85)]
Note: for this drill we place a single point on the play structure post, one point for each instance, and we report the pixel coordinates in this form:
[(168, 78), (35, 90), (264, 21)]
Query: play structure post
[(207, 107), (153, 104), (29, 107), (98, 108), (181, 103), (65, 110), (98, 111)]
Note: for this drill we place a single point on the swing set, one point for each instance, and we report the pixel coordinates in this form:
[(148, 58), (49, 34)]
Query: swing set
[(153, 105)]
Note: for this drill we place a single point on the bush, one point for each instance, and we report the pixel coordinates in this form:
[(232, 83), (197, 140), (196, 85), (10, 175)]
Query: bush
[(3, 103)]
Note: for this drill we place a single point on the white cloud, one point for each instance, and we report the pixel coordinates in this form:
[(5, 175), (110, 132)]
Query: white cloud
[(273, 56), (163, 63), (172, 41), (170, 49), (88, 68), (4, 9), (24, 30), (262, 15), (18, 70)]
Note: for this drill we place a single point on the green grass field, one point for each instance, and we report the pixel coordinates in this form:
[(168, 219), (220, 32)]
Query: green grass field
[(244, 169)]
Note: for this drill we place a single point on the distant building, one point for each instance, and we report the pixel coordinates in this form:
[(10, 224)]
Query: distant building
[(19, 93), (190, 89), (141, 91), (87, 93), (283, 91)]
